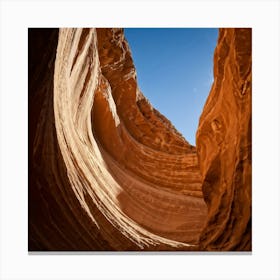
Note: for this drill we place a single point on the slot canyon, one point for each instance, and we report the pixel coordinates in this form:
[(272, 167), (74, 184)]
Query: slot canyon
[(108, 172)]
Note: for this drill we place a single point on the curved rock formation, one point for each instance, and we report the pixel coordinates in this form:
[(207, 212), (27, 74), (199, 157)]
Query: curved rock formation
[(108, 172), (224, 145)]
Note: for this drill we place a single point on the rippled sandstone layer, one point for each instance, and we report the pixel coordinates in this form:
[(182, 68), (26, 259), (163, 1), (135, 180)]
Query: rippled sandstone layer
[(106, 170)]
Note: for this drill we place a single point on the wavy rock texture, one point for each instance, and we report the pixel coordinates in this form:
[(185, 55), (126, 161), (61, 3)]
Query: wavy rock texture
[(109, 172), (106, 170), (224, 145)]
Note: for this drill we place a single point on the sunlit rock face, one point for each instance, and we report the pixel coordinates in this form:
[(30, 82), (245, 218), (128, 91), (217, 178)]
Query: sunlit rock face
[(106, 170), (224, 145)]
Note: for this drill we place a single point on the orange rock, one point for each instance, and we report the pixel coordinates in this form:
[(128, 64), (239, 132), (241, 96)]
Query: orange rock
[(108, 172), (224, 145)]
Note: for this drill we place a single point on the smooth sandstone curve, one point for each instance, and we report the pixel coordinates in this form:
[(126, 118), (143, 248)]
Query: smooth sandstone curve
[(116, 174)]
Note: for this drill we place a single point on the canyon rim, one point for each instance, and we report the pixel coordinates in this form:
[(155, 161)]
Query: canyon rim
[(108, 172)]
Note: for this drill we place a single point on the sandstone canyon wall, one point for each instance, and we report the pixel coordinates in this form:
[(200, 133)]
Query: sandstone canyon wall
[(224, 145), (108, 172)]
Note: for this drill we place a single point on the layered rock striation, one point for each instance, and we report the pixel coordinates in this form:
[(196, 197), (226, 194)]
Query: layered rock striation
[(108, 172)]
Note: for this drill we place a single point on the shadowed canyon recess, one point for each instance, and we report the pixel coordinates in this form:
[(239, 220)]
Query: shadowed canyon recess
[(108, 172)]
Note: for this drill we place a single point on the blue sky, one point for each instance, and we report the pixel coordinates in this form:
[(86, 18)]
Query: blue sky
[(175, 71)]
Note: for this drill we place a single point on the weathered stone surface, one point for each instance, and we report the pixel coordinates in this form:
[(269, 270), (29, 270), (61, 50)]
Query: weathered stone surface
[(106, 170), (224, 145), (109, 172)]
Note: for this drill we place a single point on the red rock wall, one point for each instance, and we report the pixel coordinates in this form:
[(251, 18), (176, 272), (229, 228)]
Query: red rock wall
[(106, 170), (224, 145), (109, 172)]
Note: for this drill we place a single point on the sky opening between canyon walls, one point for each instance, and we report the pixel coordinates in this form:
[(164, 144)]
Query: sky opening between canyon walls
[(175, 71)]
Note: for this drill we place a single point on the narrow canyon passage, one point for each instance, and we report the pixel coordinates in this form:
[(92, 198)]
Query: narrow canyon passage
[(108, 172)]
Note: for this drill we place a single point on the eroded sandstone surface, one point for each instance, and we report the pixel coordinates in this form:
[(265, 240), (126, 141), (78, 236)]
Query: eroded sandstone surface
[(224, 144), (108, 172)]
